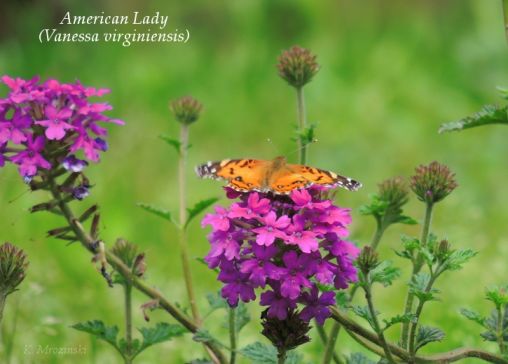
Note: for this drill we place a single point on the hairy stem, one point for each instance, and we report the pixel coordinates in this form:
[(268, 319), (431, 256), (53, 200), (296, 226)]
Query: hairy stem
[(377, 328), (302, 123), (505, 13), (127, 288), (442, 358), (417, 266), (232, 335), (117, 264), (182, 237)]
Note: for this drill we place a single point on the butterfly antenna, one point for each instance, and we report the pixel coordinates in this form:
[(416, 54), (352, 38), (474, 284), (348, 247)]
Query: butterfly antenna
[(270, 141), (297, 150)]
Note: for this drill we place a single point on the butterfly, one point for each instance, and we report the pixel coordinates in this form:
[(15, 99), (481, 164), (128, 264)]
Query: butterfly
[(276, 175)]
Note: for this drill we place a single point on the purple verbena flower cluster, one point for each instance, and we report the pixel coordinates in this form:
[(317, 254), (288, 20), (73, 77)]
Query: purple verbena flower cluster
[(285, 245), (43, 125)]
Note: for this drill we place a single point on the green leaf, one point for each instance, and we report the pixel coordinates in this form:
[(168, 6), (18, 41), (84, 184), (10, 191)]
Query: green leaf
[(100, 330), (242, 316), (503, 92), (260, 353), (406, 220), (165, 214), (342, 299), (497, 295), (160, 333), (198, 208), (458, 258), (377, 207), (418, 287), (473, 316), (175, 143), (216, 301), (363, 312), (384, 273), (359, 358), (122, 344), (490, 114), (428, 334), (203, 336), (399, 319)]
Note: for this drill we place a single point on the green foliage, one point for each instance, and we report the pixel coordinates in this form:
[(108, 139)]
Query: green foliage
[(382, 211), (157, 211), (216, 301), (410, 245), (203, 336), (242, 316), (384, 273), (497, 295), (307, 135), (363, 312), (198, 208), (458, 258), (160, 333), (399, 319), (490, 114), (98, 329), (426, 335), (260, 353), (358, 358), (175, 143), (200, 361), (474, 316), (419, 286)]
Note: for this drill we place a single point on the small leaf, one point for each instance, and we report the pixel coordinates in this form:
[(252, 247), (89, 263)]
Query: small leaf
[(406, 220), (242, 316), (384, 273), (427, 334), (490, 114), (342, 299), (458, 258), (260, 353), (160, 333), (497, 295), (198, 208), (165, 214), (175, 143), (399, 319), (418, 287), (100, 330), (203, 336), (359, 358), (216, 301), (363, 312), (473, 316)]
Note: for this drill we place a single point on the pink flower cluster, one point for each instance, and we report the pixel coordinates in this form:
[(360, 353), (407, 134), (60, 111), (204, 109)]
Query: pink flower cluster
[(43, 124), (285, 246)]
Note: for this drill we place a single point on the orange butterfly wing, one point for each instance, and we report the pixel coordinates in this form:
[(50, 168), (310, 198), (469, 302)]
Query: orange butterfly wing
[(241, 174)]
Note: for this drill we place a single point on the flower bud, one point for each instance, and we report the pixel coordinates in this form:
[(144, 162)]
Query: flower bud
[(297, 66), (394, 192), (433, 183), (367, 260), (285, 334), (126, 251), (186, 109), (13, 265)]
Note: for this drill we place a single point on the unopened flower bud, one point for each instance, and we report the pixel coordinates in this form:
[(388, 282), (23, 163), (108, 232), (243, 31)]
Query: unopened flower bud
[(367, 260), (285, 334), (394, 192), (13, 265), (186, 109), (297, 66), (433, 183), (126, 251)]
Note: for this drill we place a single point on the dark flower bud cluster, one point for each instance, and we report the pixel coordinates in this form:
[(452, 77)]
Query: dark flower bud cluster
[(285, 246), (43, 125), (433, 182), (13, 265), (285, 334), (367, 260), (297, 66), (186, 109)]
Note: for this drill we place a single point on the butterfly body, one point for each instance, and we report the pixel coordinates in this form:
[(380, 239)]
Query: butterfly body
[(276, 175)]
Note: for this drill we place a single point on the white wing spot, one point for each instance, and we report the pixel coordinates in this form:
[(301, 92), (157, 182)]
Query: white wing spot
[(224, 162)]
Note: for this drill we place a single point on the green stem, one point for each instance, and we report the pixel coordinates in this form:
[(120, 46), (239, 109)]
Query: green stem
[(118, 265), (3, 298), (377, 328), (505, 13), (232, 335), (128, 322), (500, 330), (330, 344), (281, 357), (302, 146), (182, 181), (417, 266), (330, 349)]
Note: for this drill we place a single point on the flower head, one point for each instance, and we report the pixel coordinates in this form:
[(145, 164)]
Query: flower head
[(186, 109), (433, 183), (297, 66), (46, 123), (282, 246), (13, 265)]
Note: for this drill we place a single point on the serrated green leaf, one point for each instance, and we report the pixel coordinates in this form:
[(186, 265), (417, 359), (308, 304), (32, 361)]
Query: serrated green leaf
[(135, 345), (242, 316), (406, 220), (342, 299), (418, 287), (473, 316), (100, 330), (216, 301), (359, 358), (157, 211), (399, 319), (198, 208), (363, 312), (497, 295), (160, 333), (203, 336), (384, 273), (458, 258), (428, 334), (260, 353), (490, 114), (175, 143)]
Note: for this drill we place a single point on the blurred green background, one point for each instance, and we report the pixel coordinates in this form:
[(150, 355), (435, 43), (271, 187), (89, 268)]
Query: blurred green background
[(392, 72)]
